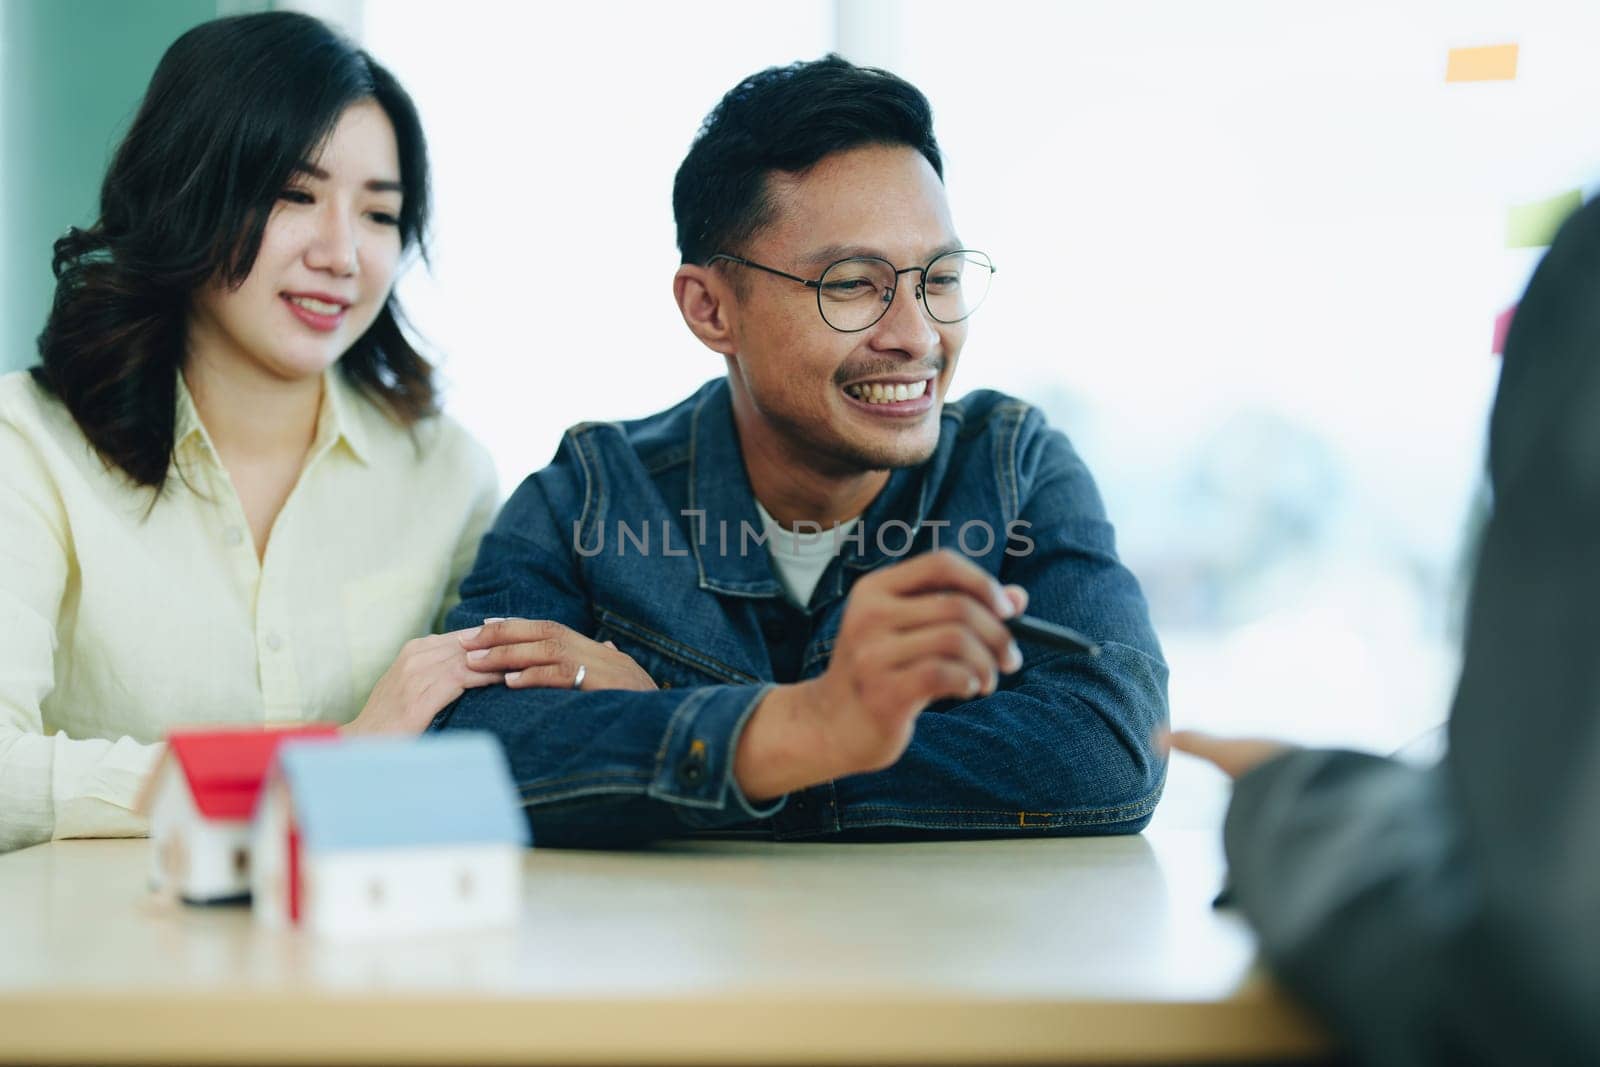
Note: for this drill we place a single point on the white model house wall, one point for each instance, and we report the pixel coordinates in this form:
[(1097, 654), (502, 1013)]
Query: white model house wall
[(200, 859), (365, 892), (269, 876)]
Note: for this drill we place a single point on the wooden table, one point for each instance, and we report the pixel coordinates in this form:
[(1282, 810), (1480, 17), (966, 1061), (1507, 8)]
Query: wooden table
[(709, 952)]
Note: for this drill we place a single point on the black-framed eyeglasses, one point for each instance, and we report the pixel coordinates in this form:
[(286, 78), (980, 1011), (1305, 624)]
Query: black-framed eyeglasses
[(853, 294)]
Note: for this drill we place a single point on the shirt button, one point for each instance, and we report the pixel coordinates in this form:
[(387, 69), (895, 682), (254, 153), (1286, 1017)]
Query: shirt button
[(234, 537), (274, 642)]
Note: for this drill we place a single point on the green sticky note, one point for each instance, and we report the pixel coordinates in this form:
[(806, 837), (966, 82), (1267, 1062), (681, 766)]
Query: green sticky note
[(1534, 225)]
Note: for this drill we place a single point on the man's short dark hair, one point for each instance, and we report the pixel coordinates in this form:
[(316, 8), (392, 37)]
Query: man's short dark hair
[(787, 119)]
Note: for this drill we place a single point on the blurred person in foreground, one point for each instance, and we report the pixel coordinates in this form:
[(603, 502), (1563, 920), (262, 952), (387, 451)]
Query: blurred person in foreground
[(1451, 915), (743, 619)]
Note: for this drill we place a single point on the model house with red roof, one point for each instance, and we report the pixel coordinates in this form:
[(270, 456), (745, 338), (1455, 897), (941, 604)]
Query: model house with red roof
[(199, 800), (389, 836)]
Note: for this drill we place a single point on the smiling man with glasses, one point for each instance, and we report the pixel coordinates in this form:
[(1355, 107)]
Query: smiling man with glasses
[(781, 606)]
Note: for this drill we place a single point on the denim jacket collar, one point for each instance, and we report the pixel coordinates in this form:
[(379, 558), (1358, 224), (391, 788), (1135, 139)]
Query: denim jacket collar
[(719, 487), (719, 491)]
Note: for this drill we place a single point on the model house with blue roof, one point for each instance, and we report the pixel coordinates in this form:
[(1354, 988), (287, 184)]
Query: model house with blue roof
[(377, 836)]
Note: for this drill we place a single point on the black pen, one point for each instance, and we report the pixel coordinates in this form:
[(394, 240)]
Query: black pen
[(1049, 633)]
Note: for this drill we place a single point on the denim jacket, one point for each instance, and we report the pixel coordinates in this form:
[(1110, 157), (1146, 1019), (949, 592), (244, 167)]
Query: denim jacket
[(646, 534)]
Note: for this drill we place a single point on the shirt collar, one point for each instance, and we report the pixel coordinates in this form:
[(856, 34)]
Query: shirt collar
[(338, 419), (185, 420)]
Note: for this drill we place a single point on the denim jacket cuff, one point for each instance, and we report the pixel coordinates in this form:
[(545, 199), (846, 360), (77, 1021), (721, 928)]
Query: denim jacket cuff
[(694, 767)]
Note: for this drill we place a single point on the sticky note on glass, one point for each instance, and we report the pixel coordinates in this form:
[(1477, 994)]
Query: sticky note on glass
[(1494, 63), (1502, 326), (1534, 225)]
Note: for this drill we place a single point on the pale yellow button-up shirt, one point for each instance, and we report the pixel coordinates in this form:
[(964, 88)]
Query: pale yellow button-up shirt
[(120, 621)]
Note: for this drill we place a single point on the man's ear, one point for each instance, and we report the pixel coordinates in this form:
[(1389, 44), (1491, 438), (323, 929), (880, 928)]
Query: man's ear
[(706, 301)]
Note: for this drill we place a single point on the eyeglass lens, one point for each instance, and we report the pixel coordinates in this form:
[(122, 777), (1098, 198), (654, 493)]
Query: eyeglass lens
[(855, 293)]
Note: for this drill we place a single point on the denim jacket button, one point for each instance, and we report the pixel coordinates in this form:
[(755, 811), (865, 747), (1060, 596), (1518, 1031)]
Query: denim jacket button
[(692, 771)]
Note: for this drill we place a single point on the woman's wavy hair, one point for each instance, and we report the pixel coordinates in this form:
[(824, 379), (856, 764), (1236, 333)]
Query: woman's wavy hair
[(235, 106)]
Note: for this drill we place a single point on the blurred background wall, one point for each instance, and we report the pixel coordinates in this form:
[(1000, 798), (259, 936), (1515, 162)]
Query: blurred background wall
[(1250, 252), (71, 75)]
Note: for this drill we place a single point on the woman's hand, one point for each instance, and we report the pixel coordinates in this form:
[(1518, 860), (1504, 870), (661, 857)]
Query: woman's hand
[(428, 675), (538, 653)]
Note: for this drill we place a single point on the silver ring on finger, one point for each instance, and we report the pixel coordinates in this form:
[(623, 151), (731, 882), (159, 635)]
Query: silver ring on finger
[(583, 670)]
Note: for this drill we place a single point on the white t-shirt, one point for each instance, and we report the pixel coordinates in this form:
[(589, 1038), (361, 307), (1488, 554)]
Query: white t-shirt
[(800, 557)]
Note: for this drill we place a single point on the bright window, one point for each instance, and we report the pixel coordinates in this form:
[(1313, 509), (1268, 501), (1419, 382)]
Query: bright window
[(1250, 254)]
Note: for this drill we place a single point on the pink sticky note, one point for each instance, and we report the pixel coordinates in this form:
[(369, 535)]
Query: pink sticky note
[(1502, 326)]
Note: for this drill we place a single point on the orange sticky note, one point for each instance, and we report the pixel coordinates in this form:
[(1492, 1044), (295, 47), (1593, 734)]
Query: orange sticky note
[(1493, 63)]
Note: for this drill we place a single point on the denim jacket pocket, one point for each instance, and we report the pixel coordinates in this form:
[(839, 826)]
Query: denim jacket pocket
[(671, 663)]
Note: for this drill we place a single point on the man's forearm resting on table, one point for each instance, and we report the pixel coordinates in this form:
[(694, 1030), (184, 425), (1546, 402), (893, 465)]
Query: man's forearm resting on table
[(663, 763)]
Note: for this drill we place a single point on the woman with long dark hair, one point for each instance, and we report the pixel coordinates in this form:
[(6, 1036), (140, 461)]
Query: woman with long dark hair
[(226, 494)]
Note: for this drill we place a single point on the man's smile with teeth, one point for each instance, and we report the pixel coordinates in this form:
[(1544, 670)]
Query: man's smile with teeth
[(881, 393)]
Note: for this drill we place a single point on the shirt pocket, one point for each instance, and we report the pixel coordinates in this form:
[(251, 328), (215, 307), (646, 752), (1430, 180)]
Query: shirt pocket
[(382, 612)]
